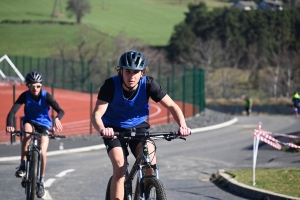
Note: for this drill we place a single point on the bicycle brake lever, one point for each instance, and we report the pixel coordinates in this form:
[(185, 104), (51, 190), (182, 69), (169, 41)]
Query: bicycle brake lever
[(169, 138), (182, 138), (16, 134), (51, 136)]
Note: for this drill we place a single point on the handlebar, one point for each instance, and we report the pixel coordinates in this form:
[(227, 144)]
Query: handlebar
[(51, 136), (132, 134)]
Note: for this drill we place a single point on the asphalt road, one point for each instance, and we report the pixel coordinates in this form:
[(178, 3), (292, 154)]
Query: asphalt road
[(185, 166)]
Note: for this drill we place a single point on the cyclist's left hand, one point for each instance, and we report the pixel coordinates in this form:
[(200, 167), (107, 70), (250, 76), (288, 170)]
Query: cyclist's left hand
[(184, 131), (57, 125)]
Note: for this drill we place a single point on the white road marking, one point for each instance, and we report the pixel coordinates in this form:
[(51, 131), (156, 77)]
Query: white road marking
[(47, 196), (63, 173), (49, 182)]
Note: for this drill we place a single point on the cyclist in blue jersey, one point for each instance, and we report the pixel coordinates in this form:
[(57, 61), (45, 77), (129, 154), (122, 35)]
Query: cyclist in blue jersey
[(37, 104), (123, 104)]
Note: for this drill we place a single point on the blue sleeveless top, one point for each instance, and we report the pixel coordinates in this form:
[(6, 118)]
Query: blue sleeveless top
[(125, 113), (37, 112)]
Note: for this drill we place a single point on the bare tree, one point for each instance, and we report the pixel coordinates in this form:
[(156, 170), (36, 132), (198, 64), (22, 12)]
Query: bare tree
[(290, 71), (78, 8)]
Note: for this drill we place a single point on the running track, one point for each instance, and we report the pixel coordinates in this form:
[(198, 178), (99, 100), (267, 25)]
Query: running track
[(77, 110)]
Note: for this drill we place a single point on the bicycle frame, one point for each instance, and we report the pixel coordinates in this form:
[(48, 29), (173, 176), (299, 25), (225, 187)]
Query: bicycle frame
[(32, 146), (31, 181), (139, 167), (147, 186)]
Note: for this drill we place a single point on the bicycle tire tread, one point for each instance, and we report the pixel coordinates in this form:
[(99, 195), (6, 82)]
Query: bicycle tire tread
[(32, 187), (157, 184)]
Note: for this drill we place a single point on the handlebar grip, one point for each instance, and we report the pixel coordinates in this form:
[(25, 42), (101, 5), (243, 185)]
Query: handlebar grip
[(53, 136)]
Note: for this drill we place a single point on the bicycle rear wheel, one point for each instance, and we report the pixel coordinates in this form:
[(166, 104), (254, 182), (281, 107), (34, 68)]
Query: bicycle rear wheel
[(32, 176), (155, 190)]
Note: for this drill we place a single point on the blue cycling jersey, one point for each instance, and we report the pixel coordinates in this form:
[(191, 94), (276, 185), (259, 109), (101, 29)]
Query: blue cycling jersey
[(37, 112), (125, 113)]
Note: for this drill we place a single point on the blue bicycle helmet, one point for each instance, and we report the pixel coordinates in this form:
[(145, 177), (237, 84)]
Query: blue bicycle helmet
[(132, 60)]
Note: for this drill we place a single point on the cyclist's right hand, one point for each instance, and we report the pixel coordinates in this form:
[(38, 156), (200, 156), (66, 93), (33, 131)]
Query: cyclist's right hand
[(107, 133), (10, 129)]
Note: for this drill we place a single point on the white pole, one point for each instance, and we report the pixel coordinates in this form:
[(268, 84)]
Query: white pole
[(255, 150), (2, 74), (12, 66)]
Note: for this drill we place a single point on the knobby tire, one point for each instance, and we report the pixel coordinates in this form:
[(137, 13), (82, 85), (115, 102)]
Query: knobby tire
[(154, 189), (32, 178)]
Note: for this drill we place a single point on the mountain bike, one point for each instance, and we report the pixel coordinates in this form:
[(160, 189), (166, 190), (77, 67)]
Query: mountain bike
[(147, 186), (31, 181)]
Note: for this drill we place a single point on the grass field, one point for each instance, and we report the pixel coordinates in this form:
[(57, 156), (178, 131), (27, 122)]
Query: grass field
[(151, 21), (282, 181)]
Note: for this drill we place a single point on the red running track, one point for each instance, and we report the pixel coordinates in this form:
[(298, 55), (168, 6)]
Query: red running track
[(77, 108)]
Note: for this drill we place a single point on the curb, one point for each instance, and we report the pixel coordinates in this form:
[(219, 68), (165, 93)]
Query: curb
[(225, 180), (213, 127), (101, 146)]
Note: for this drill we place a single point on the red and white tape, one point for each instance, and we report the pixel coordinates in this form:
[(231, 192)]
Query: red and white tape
[(280, 134), (265, 137), (266, 140)]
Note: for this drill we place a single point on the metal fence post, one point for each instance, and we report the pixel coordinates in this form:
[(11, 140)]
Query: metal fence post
[(46, 70), (13, 138), (63, 74), (52, 91), (54, 71), (91, 106), (194, 90), (202, 88)]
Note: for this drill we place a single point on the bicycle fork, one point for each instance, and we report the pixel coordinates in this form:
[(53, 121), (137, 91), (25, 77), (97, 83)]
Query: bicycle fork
[(141, 173)]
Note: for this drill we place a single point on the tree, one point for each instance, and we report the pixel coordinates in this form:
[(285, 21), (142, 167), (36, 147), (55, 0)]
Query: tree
[(78, 8)]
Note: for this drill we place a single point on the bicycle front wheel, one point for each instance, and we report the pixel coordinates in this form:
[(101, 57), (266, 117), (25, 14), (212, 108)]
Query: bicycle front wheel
[(107, 194), (154, 189), (32, 176)]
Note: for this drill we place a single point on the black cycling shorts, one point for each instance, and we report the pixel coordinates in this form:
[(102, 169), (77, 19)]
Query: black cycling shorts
[(38, 128), (115, 142)]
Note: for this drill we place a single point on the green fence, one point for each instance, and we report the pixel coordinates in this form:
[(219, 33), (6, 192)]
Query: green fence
[(182, 83)]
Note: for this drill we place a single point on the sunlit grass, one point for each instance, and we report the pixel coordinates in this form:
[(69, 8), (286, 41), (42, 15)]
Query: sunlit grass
[(282, 181), (151, 21)]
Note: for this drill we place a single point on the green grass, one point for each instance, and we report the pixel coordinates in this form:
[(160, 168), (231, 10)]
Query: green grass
[(34, 40), (282, 181), (151, 21)]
